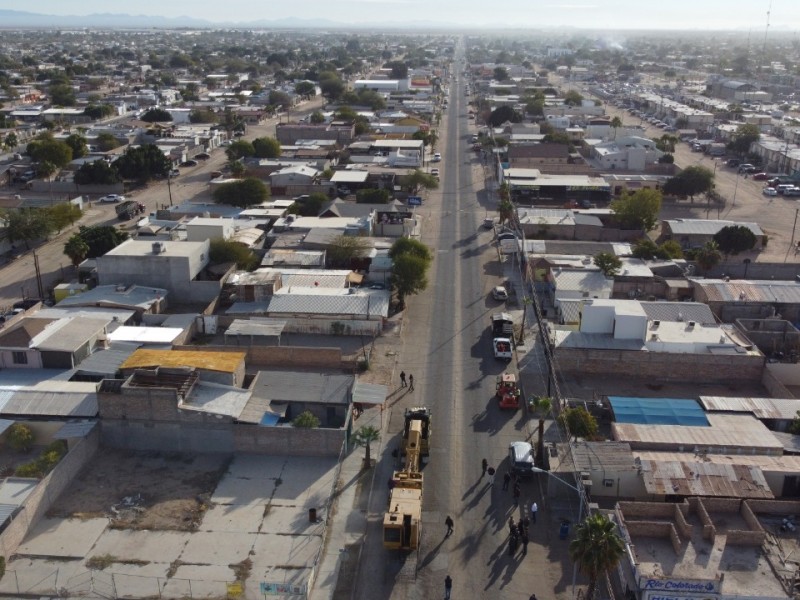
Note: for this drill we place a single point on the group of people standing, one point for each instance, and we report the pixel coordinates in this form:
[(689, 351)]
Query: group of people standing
[(409, 383)]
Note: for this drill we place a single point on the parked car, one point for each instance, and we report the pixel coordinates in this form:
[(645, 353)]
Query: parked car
[(792, 191), (500, 293), (760, 176), (437, 157), (174, 172), (189, 163), (112, 199), (520, 458), (215, 174), (435, 172), (203, 156), (769, 191)]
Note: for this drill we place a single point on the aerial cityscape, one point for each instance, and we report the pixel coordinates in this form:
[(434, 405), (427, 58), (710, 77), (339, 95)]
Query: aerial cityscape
[(400, 300)]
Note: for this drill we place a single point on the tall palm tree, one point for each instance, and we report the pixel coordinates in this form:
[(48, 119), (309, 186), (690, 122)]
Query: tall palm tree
[(364, 436), (616, 123), (596, 549)]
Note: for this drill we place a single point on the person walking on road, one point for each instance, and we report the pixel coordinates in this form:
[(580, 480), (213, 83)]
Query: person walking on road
[(491, 472), (533, 597), (484, 466), (410, 383), (517, 492), (448, 587), (506, 480), (449, 522), (534, 510), (403, 379), (511, 525), (524, 539)]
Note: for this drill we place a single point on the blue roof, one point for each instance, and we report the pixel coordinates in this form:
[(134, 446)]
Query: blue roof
[(658, 411)]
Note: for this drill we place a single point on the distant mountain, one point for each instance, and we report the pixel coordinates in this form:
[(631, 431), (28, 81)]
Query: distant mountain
[(10, 19)]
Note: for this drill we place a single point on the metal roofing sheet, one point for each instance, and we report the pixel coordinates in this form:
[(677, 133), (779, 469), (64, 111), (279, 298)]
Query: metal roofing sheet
[(679, 311), (369, 393), (761, 408), (75, 429), (108, 361), (372, 303), (704, 479), (51, 404), (300, 386), (738, 290), (257, 327), (6, 512), (658, 411)]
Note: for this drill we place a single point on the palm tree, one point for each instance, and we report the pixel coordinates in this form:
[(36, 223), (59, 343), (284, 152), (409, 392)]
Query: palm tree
[(77, 249), (708, 256), (364, 436), (597, 548), (616, 123), (506, 210)]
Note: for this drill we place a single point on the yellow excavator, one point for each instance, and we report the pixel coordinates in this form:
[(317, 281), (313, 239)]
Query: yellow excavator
[(402, 523)]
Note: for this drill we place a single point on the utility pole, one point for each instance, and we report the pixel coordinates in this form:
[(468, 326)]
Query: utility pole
[(38, 271)]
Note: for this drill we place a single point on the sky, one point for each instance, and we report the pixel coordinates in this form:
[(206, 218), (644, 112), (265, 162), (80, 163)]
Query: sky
[(592, 14)]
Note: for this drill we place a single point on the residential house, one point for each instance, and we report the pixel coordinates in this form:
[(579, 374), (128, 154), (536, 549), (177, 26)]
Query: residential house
[(694, 233)]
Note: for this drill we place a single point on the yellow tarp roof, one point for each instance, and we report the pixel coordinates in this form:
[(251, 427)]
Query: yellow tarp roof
[(226, 362)]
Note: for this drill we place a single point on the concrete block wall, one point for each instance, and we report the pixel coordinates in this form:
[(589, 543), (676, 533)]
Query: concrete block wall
[(774, 507), (281, 356), (47, 492), (142, 404), (739, 537), (168, 436), (681, 524), (722, 505), (647, 509), (658, 529), (686, 368), (289, 440), (709, 531)]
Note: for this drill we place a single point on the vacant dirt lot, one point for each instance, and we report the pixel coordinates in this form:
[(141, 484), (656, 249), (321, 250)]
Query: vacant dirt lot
[(143, 490)]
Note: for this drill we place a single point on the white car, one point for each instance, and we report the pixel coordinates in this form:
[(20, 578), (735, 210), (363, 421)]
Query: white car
[(769, 191), (437, 157), (112, 199), (435, 173), (499, 292)]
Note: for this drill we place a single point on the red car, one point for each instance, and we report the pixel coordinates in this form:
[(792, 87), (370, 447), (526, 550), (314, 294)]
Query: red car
[(760, 177)]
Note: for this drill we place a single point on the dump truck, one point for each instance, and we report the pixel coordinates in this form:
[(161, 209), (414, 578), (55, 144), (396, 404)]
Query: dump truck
[(128, 209), (422, 414)]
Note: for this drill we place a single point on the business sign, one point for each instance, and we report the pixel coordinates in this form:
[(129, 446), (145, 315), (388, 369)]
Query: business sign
[(662, 596), (676, 587), (414, 201), (393, 218), (277, 589)]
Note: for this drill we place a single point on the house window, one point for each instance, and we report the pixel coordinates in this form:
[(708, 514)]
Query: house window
[(19, 358)]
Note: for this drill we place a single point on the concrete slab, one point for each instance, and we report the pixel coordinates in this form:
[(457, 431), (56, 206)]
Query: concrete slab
[(153, 546), (292, 519), (139, 581), (255, 466), (246, 518), (307, 478), (218, 548), (38, 576), (284, 551), (207, 581), (236, 490), (65, 538)]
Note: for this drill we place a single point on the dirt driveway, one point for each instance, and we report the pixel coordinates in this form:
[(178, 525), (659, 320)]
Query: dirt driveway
[(136, 490)]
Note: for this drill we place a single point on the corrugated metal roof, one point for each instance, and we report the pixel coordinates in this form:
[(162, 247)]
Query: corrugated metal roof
[(761, 408), (786, 464), (51, 404), (75, 429), (7, 511), (369, 393), (739, 290), (582, 280), (225, 362), (679, 311), (704, 479), (707, 226), (730, 432), (217, 399), (373, 302), (257, 327), (658, 411), (595, 456), (107, 362)]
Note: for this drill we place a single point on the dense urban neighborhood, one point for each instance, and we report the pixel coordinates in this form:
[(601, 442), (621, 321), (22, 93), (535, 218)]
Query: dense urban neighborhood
[(355, 314)]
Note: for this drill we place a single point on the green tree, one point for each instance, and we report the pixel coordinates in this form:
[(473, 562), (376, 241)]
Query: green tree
[(364, 436), (672, 249), (708, 256), (222, 251), (501, 114), (373, 196), (50, 150), (608, 263), (279, 98), (76, 249), (343, 250), (243, 193), (578, 422), (101, 239), (62, 215), (267, 147), (408, 246), (309, 206), (506, 211), (203, 115), (62, 94), (573, 98), (794, 426), (156, 115), (500, 74), (240, 149), (306, 89), (78, 144), (98, 172), (409, 276), (746, 135), (106, 142), (616, 123), (27, 225), (417, 180), (316, 118), (690, 182), (143, 163), (666, 159), (46, 169), (10, 141), (98, 111), (306, 420), (637, 210), (734, 239), (596, 549), (20, 438), (399, 69)]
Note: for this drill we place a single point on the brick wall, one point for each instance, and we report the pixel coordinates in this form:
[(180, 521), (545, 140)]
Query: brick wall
[(46, 493), (774, 507), (722, 505), (658, 529), (709, 531), (142, 404), (686, 368), (282, 356), (289, 440)]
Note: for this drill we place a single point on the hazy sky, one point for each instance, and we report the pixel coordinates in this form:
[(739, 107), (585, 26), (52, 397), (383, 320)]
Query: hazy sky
[(672, 14)]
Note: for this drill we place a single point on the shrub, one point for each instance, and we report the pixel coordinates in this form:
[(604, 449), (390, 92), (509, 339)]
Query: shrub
[(306, 420), (20, 437)]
